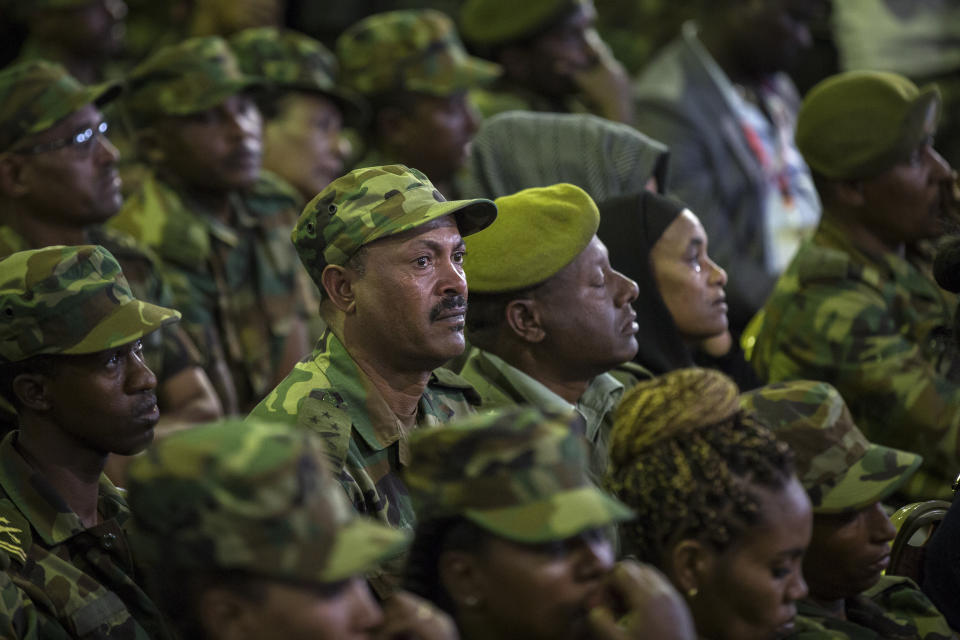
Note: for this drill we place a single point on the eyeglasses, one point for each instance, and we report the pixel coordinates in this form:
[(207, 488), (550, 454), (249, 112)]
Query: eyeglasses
[(82, 141)]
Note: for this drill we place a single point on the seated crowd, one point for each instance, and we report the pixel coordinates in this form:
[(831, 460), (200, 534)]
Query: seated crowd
[(418, 337)]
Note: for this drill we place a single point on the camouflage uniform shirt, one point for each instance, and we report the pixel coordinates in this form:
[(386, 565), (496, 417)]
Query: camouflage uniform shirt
[(874, 327), (504, 95), (327, 392), (238, 286), (500, 385), (894, 608), (62, 580)]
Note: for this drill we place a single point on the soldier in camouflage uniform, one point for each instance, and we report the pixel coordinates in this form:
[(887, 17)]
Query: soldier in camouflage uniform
[(303, 107), (218, 223), (385, 249), (552, 57), (55, 141), (510, 538), (415, 73), (550, 327), (846, 477), (243, 533), (71, 362), (857, 307)]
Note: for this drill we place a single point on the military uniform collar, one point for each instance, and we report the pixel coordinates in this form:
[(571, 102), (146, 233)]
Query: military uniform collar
[(42, 506)]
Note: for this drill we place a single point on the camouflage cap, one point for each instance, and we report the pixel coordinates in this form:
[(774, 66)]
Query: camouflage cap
[(518, 473), (560, 220), (840, 469), (253, 496), (372, 203), (191, 76), (488, 23), (35, 95), (288, 60), (414, 50), (69, 300), (859, 123)]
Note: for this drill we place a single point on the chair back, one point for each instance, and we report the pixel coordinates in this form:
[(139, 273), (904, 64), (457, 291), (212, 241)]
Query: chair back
[(915, 525)]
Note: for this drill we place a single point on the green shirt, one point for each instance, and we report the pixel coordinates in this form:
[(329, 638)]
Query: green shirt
[(876, 328), (894, 608), (61, 579), (238, 285), (501, 384)]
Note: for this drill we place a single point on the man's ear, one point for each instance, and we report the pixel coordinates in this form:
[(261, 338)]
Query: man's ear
[(33, 392), (337, 284), (461, 575), (849, 193), (225, 614), (524, 319), (393, 127), (13, 168)]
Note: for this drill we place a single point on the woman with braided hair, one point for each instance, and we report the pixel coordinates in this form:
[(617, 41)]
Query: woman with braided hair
[(719, 508)]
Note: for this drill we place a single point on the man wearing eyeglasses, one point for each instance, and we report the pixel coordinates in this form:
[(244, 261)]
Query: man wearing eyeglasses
[(58, 184)]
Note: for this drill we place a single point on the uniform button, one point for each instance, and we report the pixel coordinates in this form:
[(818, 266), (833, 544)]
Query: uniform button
[(107, 541)]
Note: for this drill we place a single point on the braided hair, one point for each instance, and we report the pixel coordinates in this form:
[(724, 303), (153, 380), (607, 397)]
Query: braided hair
[(688, 460)]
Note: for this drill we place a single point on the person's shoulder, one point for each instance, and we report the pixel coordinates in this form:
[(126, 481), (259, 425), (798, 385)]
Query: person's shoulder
[(272, 195), (630, 373), (452, 390), (308, 377), (16, 535)]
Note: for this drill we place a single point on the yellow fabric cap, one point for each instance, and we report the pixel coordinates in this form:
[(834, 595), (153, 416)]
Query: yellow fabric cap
[(536, 234)]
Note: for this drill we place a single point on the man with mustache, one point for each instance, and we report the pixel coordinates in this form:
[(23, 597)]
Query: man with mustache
[(386, 251), (59, 184), (71, 362), (550, 325), (220, 225), (857, 306)]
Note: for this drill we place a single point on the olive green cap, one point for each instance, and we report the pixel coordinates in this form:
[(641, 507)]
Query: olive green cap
[(518, 473), (69, 300), (489, 23), (858, 124), (253, 496), (413, 50), (372, 203), (188, 77), (35, 95), (537, 233), (840, 469), (287, 60)]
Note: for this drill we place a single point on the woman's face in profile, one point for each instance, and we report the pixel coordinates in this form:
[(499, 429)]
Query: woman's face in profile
[(749, 590), (690, 283)]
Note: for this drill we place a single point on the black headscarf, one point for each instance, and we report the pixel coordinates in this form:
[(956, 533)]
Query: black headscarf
[(630, 225)]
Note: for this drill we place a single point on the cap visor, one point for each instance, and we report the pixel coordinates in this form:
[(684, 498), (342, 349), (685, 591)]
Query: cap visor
[(360, 546), (562, 516), (471, 216), (871, 479), (126, 323), (218, 95)]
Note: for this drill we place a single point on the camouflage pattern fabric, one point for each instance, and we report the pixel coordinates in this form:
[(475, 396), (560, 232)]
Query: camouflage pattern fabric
[(327, 393), (874, 327), (62, 580), (70, 300), (238, 286), (502, 385), (840, 469), (165, 350), (288, 60), (372, 203), (894, 608), (264, 503), (414, 50), (366, 444), (35, 95), (518, 473), (190, 76)]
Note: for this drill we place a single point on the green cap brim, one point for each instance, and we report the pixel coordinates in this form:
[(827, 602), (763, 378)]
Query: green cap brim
[(471, 74), (872, 478), (128, 322), (471, 216), (360, 546), (562, 516)]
